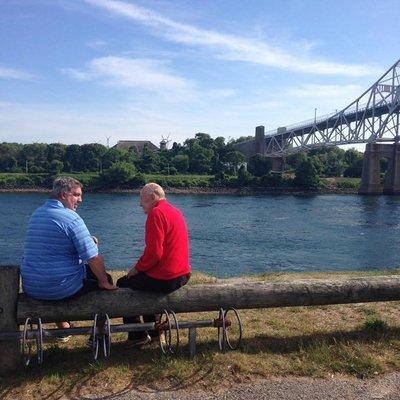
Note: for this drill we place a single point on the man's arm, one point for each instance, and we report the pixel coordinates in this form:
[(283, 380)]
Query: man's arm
[(88, 252), (97, 266), (154, 239)]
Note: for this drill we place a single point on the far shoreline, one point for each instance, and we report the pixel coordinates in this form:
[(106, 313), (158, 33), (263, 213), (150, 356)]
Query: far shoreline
[(245, 191)]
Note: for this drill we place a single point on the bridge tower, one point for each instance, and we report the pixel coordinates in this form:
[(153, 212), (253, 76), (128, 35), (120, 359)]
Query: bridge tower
[(371, 174), (260, 140), (260, 148)]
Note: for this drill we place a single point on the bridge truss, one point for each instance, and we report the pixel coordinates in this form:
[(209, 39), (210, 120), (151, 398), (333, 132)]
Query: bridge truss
[(372, 117)]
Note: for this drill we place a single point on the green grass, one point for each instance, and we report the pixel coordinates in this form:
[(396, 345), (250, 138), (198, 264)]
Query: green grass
[(89, 180), (349, 340), (341, 183)]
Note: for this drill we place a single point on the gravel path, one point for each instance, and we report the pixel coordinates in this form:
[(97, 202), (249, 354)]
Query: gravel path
[(290, 388)]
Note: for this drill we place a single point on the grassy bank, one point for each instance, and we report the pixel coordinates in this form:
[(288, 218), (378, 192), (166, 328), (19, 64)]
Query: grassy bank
[(360, 339), (91, 181), (173, 183)]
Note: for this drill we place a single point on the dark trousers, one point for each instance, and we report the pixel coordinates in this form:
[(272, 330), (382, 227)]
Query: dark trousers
[(141, 281), (90, 283)]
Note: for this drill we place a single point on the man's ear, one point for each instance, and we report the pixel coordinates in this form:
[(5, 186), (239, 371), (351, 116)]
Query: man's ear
[(63, 196)]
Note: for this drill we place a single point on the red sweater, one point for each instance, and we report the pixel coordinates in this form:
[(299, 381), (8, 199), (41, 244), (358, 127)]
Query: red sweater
[(166, 255)]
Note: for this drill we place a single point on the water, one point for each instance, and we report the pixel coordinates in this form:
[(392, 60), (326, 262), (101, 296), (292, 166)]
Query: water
[(234, 235)]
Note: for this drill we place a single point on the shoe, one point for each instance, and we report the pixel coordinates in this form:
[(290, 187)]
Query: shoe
[(65, 338), (138, 342), (62, 339)]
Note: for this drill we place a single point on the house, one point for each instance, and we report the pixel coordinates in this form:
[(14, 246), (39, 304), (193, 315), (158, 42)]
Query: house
[(137, 144)]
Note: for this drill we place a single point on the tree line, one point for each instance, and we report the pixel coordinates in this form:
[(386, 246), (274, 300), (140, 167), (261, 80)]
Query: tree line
[(200, 155)]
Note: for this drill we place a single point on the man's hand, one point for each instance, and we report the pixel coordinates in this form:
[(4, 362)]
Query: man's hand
[(132, 272), (107, 286)]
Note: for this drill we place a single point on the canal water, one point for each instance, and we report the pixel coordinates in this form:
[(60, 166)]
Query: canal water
[(235, 235)]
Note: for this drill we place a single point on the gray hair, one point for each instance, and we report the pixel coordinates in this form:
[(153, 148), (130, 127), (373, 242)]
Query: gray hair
[(155, 188), (64, 185)]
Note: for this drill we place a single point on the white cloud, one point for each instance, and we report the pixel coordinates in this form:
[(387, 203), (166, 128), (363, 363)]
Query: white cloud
[(97, 44), (129, 72), (346, 92), (231, 47), (12, 73)]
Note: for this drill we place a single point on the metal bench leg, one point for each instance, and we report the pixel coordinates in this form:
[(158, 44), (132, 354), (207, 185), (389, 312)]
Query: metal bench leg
[(192, 342)]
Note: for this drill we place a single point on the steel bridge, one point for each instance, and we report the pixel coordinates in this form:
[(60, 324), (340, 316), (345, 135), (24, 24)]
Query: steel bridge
[(372, 117)]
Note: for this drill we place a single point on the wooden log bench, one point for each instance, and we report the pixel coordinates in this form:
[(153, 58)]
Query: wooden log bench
[(15, 307)]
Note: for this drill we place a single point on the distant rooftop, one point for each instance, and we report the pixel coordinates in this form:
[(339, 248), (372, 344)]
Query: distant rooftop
[(137, 144)]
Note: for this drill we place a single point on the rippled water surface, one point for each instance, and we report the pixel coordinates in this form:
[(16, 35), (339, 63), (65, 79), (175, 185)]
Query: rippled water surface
[(233, 235)]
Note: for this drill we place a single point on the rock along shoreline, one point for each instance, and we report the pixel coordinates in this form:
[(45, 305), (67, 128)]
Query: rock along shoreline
[(208, 191)]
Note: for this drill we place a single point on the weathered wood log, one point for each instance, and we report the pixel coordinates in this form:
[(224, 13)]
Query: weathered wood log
[(9, 287), (196, 298)]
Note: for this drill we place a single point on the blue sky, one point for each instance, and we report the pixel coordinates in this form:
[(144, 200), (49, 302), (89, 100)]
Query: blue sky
[(78, 71)]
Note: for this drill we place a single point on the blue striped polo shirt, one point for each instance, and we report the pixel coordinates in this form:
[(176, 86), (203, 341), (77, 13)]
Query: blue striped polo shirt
[(57, 245)]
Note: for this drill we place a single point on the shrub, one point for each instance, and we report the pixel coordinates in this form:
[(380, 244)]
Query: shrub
[(137, 181), (118, 174), (348, 184)]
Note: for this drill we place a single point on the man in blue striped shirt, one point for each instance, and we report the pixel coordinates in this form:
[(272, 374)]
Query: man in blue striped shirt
[(58, 245)]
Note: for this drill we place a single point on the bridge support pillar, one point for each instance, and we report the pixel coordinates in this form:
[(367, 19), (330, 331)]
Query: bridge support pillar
[(392, 179), (370, 178), (260, 140)]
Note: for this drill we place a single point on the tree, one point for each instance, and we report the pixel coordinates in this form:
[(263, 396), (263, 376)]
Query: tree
[(306, 174), (354, 160), (8, 163), (56, 167), (73, 158), (9, 155), (91, 155), (118, 174), (114, 155), (244, 177), (148, 161), (56, 151), (259, 165), (335, 163), (181, 163), (35, 157), (241, 139)]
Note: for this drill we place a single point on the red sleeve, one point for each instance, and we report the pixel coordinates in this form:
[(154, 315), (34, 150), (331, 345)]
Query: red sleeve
[(154, 239)]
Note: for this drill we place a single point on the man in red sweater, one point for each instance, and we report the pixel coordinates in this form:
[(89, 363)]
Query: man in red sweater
[(164, 264)]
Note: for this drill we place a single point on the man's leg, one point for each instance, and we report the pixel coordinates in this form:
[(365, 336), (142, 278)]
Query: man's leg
[(167, 286), (141, 281), (90, 284), (135, 283)]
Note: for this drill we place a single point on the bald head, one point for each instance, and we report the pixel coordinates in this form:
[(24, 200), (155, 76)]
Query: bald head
[(153, 188), (150, 195)]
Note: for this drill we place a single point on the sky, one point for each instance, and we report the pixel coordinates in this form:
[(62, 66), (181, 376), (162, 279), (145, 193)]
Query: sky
[(82, 71)]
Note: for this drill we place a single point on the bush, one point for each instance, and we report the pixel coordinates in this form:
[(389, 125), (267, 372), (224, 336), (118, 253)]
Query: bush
[(56, 167), (220, 179), (348, 184), (306, 174), (276, 180), (137, 181), (260, 165), (181, 163), (244, 177), (118, 174), (25, 181)]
